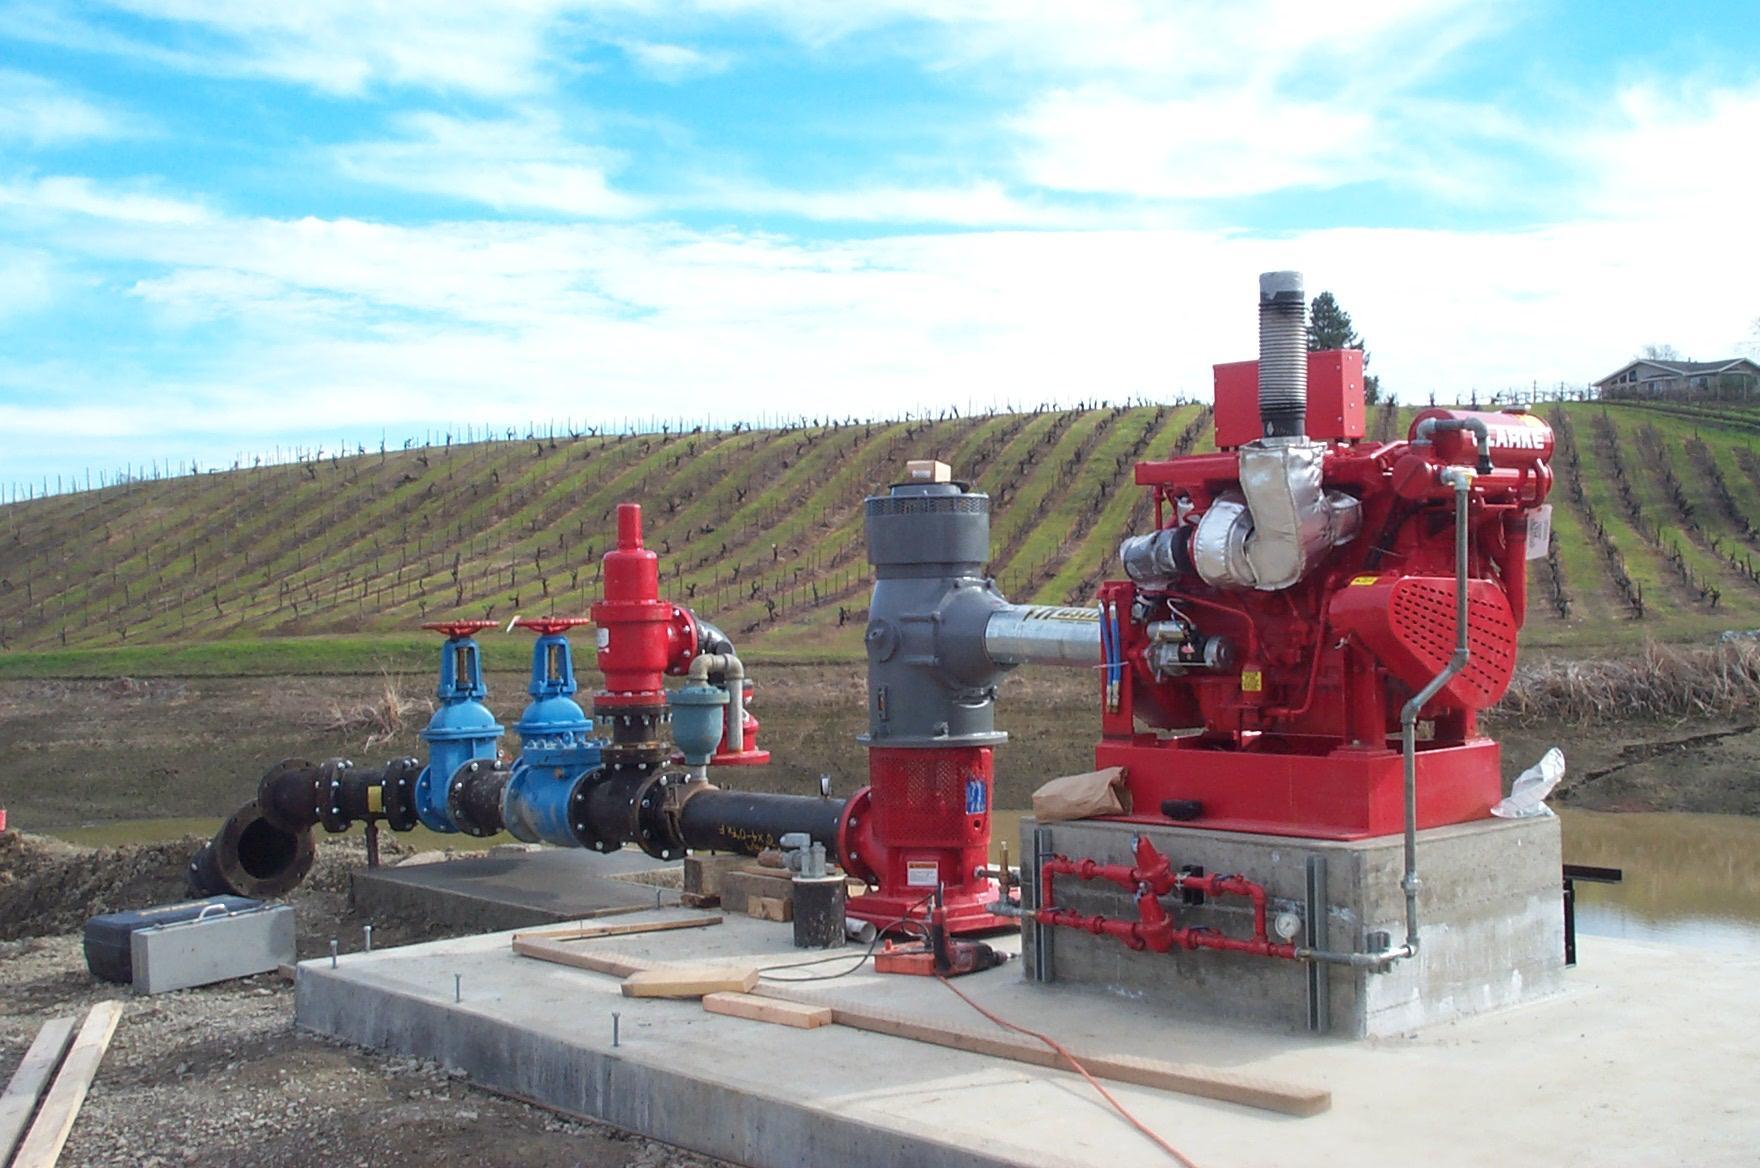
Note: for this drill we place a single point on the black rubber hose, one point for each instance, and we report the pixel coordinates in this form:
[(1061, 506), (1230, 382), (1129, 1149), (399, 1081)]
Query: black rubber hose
[(750, 821)]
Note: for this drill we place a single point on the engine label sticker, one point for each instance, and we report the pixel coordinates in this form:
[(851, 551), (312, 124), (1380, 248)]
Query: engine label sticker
[(1540, 531), (1252, 681), (977, 796), (921, 873), (1364, 581)]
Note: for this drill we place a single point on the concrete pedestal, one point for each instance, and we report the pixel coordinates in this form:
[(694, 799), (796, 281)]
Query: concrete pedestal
[(1491, 925)]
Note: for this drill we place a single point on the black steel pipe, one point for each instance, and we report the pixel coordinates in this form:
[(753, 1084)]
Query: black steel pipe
[(751, 821), (252, 856)]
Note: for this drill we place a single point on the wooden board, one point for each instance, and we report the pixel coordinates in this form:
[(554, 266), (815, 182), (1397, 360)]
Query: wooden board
[(562, 953), (689, 981), (588, 932), (1184, 1079), (1180, 1078), (30, 1080), (782, 1013), (48, 1135)]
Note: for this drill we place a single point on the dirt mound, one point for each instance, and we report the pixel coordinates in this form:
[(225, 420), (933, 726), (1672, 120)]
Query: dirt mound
[(47, 886)]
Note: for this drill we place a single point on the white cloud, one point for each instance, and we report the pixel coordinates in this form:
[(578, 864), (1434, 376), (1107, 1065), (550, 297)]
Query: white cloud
[(82, 196), (365, 325), (29, 281), (1684, 152), (1219, 145), (38, 112), (975, 204), (341, 47), (670, 62), (520, 163)]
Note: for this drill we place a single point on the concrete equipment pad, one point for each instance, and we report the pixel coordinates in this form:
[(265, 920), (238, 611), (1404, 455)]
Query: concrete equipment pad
[(487, 891), (1645, 1058)]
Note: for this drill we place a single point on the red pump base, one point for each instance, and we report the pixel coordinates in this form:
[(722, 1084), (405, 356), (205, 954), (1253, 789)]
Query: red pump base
[(922, 826), (1341, 795)]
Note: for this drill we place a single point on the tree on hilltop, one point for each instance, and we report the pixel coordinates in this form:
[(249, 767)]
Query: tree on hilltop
[(1329, 327)]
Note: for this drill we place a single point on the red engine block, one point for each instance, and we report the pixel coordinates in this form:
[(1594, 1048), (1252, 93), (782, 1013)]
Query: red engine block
[(1292, 730)]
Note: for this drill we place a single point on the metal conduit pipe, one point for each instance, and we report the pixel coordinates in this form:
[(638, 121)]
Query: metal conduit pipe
[(1043, 634), (1461, 478), (1473, 426), (734, 670)]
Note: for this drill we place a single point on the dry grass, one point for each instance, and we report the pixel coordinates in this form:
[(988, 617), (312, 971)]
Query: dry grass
[(382, 717), (1720, 681)]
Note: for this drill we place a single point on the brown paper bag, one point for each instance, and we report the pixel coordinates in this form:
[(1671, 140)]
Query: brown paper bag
[(1082, 796)]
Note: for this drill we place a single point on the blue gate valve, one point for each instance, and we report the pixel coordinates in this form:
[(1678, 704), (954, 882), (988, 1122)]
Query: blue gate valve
[(558, 752), (462, 731)]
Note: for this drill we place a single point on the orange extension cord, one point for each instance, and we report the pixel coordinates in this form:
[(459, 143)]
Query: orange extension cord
[(1058, 1047)]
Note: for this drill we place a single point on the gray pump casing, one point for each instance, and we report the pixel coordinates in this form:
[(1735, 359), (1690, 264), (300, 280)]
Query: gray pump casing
[(930, 681)]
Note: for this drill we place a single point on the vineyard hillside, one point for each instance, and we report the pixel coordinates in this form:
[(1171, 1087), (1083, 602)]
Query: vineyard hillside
[(1656, 524)]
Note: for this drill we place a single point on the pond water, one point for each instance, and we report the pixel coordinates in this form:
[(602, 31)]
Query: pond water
[(1689, 879)]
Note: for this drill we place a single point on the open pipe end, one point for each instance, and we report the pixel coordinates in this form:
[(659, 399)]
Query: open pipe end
[(250, 856)]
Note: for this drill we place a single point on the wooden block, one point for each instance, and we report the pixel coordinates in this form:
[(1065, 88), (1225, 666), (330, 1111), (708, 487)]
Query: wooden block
[(1181, 1078), (562, 953), (797, 1014), (588, 932), (689, 981), (702, 874), (770, 908), (30, 1080), (737, 888), (48, 1135)]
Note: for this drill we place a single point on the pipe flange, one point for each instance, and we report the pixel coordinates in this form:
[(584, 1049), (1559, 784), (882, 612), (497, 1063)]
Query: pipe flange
[(657, 831), (580, 820), (398, 794), (848, 854), (332, 812), (252, 856)]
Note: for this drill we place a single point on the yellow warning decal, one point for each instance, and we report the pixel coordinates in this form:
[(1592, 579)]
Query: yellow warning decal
[(1252, 681), (375, 799), (1359, 581)]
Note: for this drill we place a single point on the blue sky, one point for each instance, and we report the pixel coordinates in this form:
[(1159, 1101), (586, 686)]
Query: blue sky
[(230, 226)]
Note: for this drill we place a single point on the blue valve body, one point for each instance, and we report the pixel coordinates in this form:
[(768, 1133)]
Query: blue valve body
[(462, 730), (557, 750)]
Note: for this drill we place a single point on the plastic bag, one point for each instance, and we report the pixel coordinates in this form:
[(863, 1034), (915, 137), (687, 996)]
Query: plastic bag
[(1527, 795), (1099, 792)]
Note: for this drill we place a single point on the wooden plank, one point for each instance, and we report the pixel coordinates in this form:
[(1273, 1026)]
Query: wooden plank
[(30, 1080), (559, 953), (588, 932), (1180, 1078), (782, 1013), (48, 1135), (689, 981)]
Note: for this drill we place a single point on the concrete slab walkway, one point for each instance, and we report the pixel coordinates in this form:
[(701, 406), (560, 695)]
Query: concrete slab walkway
[(1648, 1057)]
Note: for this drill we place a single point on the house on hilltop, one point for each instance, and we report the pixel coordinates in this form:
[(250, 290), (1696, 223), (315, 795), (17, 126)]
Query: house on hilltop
[(1652, 377)]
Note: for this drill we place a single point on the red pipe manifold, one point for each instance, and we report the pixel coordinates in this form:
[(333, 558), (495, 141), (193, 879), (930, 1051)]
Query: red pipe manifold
[(1151, 878)]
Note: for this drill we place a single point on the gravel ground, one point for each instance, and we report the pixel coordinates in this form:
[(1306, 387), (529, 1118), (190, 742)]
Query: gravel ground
[(219, 1076)]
